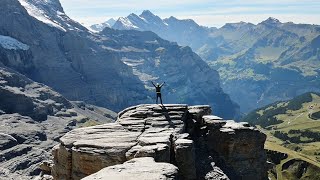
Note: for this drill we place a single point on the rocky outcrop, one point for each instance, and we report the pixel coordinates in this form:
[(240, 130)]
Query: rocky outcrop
[(32, 119), (239, 145), (213, 148)]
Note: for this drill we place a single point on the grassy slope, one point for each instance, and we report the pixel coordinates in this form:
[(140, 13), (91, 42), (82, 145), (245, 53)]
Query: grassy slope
[(293, 117)]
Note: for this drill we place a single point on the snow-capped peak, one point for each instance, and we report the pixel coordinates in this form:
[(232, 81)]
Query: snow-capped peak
[(127, 23), (100, 27), (39, 10), (51, 13), (8, 42)]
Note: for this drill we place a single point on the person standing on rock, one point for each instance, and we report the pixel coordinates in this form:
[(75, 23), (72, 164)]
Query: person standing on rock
[(158, 91)]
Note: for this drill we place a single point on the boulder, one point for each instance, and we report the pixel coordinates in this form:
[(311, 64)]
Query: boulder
[(139, 168)]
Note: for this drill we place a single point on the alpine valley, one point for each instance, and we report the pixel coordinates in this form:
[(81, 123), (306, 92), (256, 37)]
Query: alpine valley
[(258, 64)]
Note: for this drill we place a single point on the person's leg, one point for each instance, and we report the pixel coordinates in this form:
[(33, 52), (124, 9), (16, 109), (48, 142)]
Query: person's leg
[(157, 98), (160, 98)]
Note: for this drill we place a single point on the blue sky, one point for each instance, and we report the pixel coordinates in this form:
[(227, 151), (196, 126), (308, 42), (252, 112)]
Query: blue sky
[(204, 12)]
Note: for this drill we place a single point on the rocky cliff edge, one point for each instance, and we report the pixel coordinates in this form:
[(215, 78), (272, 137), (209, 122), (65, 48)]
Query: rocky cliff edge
[(172, 141)]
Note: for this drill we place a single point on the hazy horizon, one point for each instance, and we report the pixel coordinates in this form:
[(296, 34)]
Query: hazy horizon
[(204, 12)]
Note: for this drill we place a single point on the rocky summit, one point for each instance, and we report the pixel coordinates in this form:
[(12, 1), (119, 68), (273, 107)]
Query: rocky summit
[(171, 141)]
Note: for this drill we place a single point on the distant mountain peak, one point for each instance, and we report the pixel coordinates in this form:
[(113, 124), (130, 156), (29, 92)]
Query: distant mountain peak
[(152, 18), (132, 15), (172, 18), (111, 21), (147, 13), (237, 25), (271, 20)]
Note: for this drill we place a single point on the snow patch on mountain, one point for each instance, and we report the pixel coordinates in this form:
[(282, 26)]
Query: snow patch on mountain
[(100, 27), (41, 14), (127, 23), (8, 42)]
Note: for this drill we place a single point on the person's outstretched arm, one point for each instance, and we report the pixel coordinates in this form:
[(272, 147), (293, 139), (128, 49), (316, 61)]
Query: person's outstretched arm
[(162, 84), (153, 84)]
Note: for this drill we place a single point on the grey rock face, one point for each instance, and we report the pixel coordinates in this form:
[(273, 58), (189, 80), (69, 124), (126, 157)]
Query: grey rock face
[(237, 144), (159, 132), (185, 157), (19, 94), (32, 119), (16, 59)]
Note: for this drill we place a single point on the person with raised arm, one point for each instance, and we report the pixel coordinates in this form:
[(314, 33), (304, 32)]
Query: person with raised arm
[(158, 91)]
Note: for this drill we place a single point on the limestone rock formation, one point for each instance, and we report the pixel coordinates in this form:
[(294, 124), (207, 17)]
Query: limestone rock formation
[(32, 118), (139, 168), (200, 145)]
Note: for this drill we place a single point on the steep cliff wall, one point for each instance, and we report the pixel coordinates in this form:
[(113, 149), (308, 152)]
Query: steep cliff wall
[(200, 145)]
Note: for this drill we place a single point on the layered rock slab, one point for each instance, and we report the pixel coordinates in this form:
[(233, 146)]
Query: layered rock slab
[(200, 145)]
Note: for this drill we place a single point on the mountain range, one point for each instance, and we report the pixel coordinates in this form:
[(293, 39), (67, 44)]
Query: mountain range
[(258, 64), (95, 68)]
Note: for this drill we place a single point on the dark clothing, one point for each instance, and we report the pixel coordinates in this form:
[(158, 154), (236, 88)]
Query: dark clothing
[(158, 89), (159, 96)]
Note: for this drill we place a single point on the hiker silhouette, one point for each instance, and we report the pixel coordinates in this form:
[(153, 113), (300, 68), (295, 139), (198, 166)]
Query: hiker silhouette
[(158, 91)]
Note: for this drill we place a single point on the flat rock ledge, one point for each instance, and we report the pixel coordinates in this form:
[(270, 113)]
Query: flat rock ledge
[(180, 141)]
